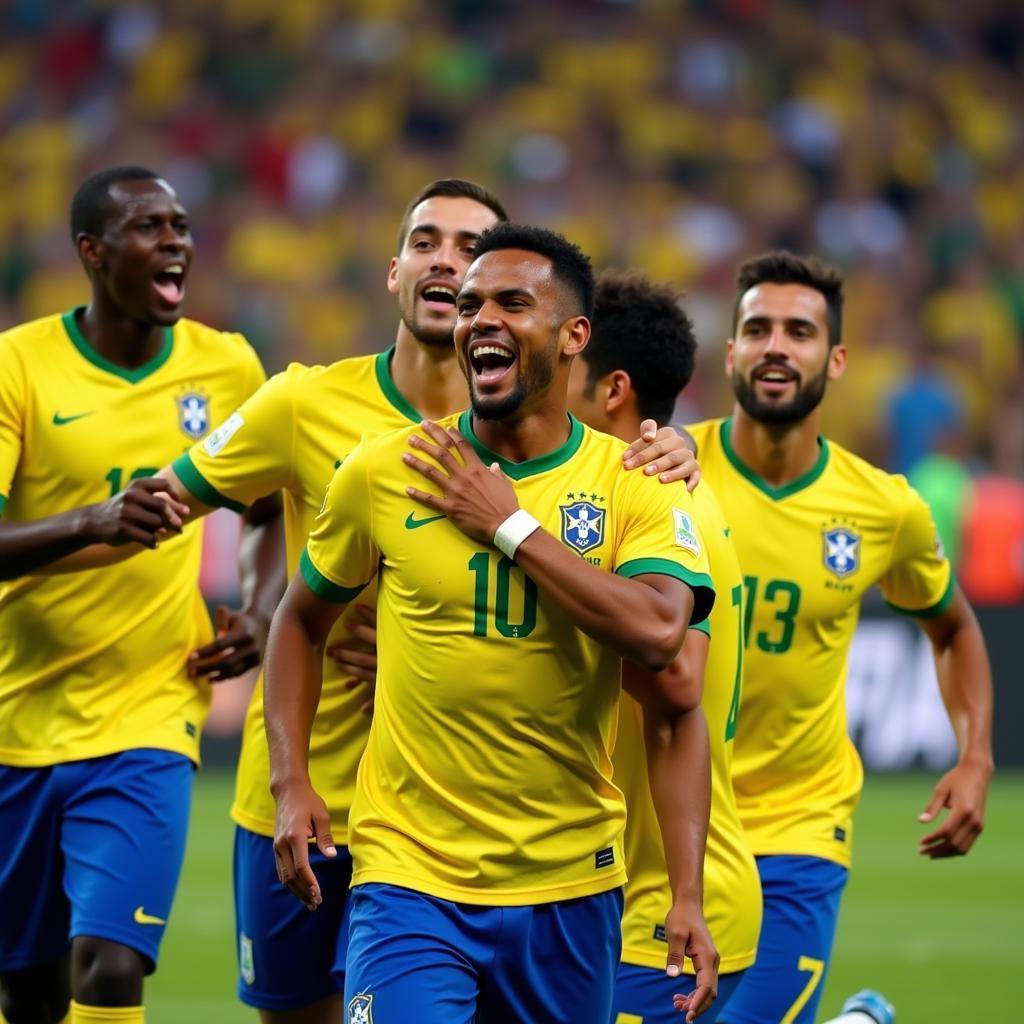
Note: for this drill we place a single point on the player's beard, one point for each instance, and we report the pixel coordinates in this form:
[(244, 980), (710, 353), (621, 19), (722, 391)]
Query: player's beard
[(781, 414), (534, 378), (432, 337)]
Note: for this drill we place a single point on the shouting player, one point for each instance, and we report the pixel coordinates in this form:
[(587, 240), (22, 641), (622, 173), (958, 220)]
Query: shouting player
[(99, 718), (815, 527), (485, 829)]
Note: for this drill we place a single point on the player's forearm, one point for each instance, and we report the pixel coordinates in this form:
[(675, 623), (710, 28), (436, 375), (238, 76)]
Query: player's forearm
[(261, 567), (291, 692), (965, 679), (628, 616), (679, 774), (29, 547)]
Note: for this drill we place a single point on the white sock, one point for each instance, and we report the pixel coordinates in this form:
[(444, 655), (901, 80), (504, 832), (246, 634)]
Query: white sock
[(857, 1017)]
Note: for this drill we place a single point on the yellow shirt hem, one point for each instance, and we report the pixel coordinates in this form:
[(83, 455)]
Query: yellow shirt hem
[(491, 897), (842, 856), (86, 751)]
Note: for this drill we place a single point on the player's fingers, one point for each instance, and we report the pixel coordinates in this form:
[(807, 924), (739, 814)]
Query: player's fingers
[(466, 451), (642, 453), (426, 498), (435, 476), (368, 613), (940, 796), (438, 454), (358, 659), (324, 839), (236, 665), (157, 485), (129, 534), (648, 430), (366, 635), (223, 617), (444, 444)]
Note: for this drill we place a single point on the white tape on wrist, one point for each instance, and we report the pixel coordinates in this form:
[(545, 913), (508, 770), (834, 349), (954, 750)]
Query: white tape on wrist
[(514, 531)]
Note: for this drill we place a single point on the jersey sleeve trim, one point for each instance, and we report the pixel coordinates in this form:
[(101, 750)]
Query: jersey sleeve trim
[(932, 611), (3, 503), (201, 487), (322, 586), (699, 582), (702, 627)]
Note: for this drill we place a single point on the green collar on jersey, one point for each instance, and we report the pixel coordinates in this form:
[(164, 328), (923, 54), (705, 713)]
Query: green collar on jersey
[(531, 467), (133, 376), (382, 366), (775, 493)]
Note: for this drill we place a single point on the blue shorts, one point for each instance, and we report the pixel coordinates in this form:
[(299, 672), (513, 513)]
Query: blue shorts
[(414, 957), (91, 847), (643, 995), (801, 908), (288, 958)]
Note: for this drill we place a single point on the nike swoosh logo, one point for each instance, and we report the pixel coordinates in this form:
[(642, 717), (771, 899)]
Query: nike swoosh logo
[(59, 421), (412, 523), (726, 531), (141, 917)]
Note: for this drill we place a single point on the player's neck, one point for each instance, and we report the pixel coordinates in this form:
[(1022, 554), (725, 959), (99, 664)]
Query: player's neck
[(428, 377), (778, 454), (526, 437), (117, 337)]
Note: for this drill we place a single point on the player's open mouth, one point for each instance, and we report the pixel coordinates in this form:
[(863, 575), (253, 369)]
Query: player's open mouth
[(439, 297), (170, 283), (490, 361), (775, 379)]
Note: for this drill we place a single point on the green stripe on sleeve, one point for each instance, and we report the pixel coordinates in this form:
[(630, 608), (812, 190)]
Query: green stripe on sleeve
[(699, 582), (200, 487), (933, 611), (703, 627), (3, 503), (322, 586)]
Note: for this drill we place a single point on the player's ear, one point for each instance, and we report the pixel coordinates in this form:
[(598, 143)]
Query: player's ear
[(836, 362), (393, 275), (729, 345), (575, 335), (90, 250), (617, 387)]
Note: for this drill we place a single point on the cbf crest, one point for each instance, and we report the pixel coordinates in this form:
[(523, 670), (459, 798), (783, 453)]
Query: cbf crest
[(360, 1010), (194, 413), (841, 550), (582, 525)]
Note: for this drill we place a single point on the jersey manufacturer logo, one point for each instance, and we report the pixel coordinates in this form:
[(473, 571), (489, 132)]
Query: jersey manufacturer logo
[(141, 917), (360, 1009), (686, 536), (412, 523), (59, 421), (194, 413), (841, 551), (246, 967), (582, 525), (220, 437)]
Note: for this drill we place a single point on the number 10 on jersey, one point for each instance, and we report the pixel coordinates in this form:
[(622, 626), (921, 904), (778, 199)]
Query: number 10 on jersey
[(493, 579)]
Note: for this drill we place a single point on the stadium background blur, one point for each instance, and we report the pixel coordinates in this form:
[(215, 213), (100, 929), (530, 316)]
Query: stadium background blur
[(674, 138)]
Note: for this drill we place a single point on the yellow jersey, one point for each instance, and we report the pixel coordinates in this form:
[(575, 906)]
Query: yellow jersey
[(487, 776), (809, 551), (732, 889), (291, 436), (93, 663)]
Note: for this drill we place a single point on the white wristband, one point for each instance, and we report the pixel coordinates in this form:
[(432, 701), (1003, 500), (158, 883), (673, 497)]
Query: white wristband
[(514, 531)]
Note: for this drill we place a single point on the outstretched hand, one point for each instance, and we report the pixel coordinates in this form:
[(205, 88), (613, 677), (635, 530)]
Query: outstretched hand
[(962, 790), (477, 499), (665, 452), (301, 816), (145, 512)]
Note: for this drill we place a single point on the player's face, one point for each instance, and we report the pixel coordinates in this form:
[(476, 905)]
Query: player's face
[(427, 274), (780, 360), (145, 251), (511, 331)]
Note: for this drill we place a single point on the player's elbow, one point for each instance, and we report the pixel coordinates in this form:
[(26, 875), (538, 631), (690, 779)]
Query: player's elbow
[(661, 644)]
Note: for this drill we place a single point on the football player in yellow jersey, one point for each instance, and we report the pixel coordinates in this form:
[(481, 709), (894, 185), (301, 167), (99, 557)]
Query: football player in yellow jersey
[(292, 435), (640, 356), (99, 717), (815, 527), (485, 830)]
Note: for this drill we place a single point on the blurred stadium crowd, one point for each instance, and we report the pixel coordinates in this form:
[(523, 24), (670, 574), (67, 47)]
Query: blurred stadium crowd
[(673, 137)]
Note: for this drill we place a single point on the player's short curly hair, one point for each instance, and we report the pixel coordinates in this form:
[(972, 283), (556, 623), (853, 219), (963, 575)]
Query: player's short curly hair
[(783, 267), (452, 188), (92, 203), (570, 264), (641, 327)]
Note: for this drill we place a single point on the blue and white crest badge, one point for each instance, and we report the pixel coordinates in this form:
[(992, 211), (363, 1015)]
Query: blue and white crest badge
[(194, 414), (360, 1010), (582, 525), (841, 551)]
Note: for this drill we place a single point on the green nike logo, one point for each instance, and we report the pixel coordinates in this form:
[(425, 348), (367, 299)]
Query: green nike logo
[(726, 531), (59, 421), (412, 523)]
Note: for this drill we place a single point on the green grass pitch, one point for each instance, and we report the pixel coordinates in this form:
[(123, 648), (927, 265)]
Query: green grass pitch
[(945, 941)]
